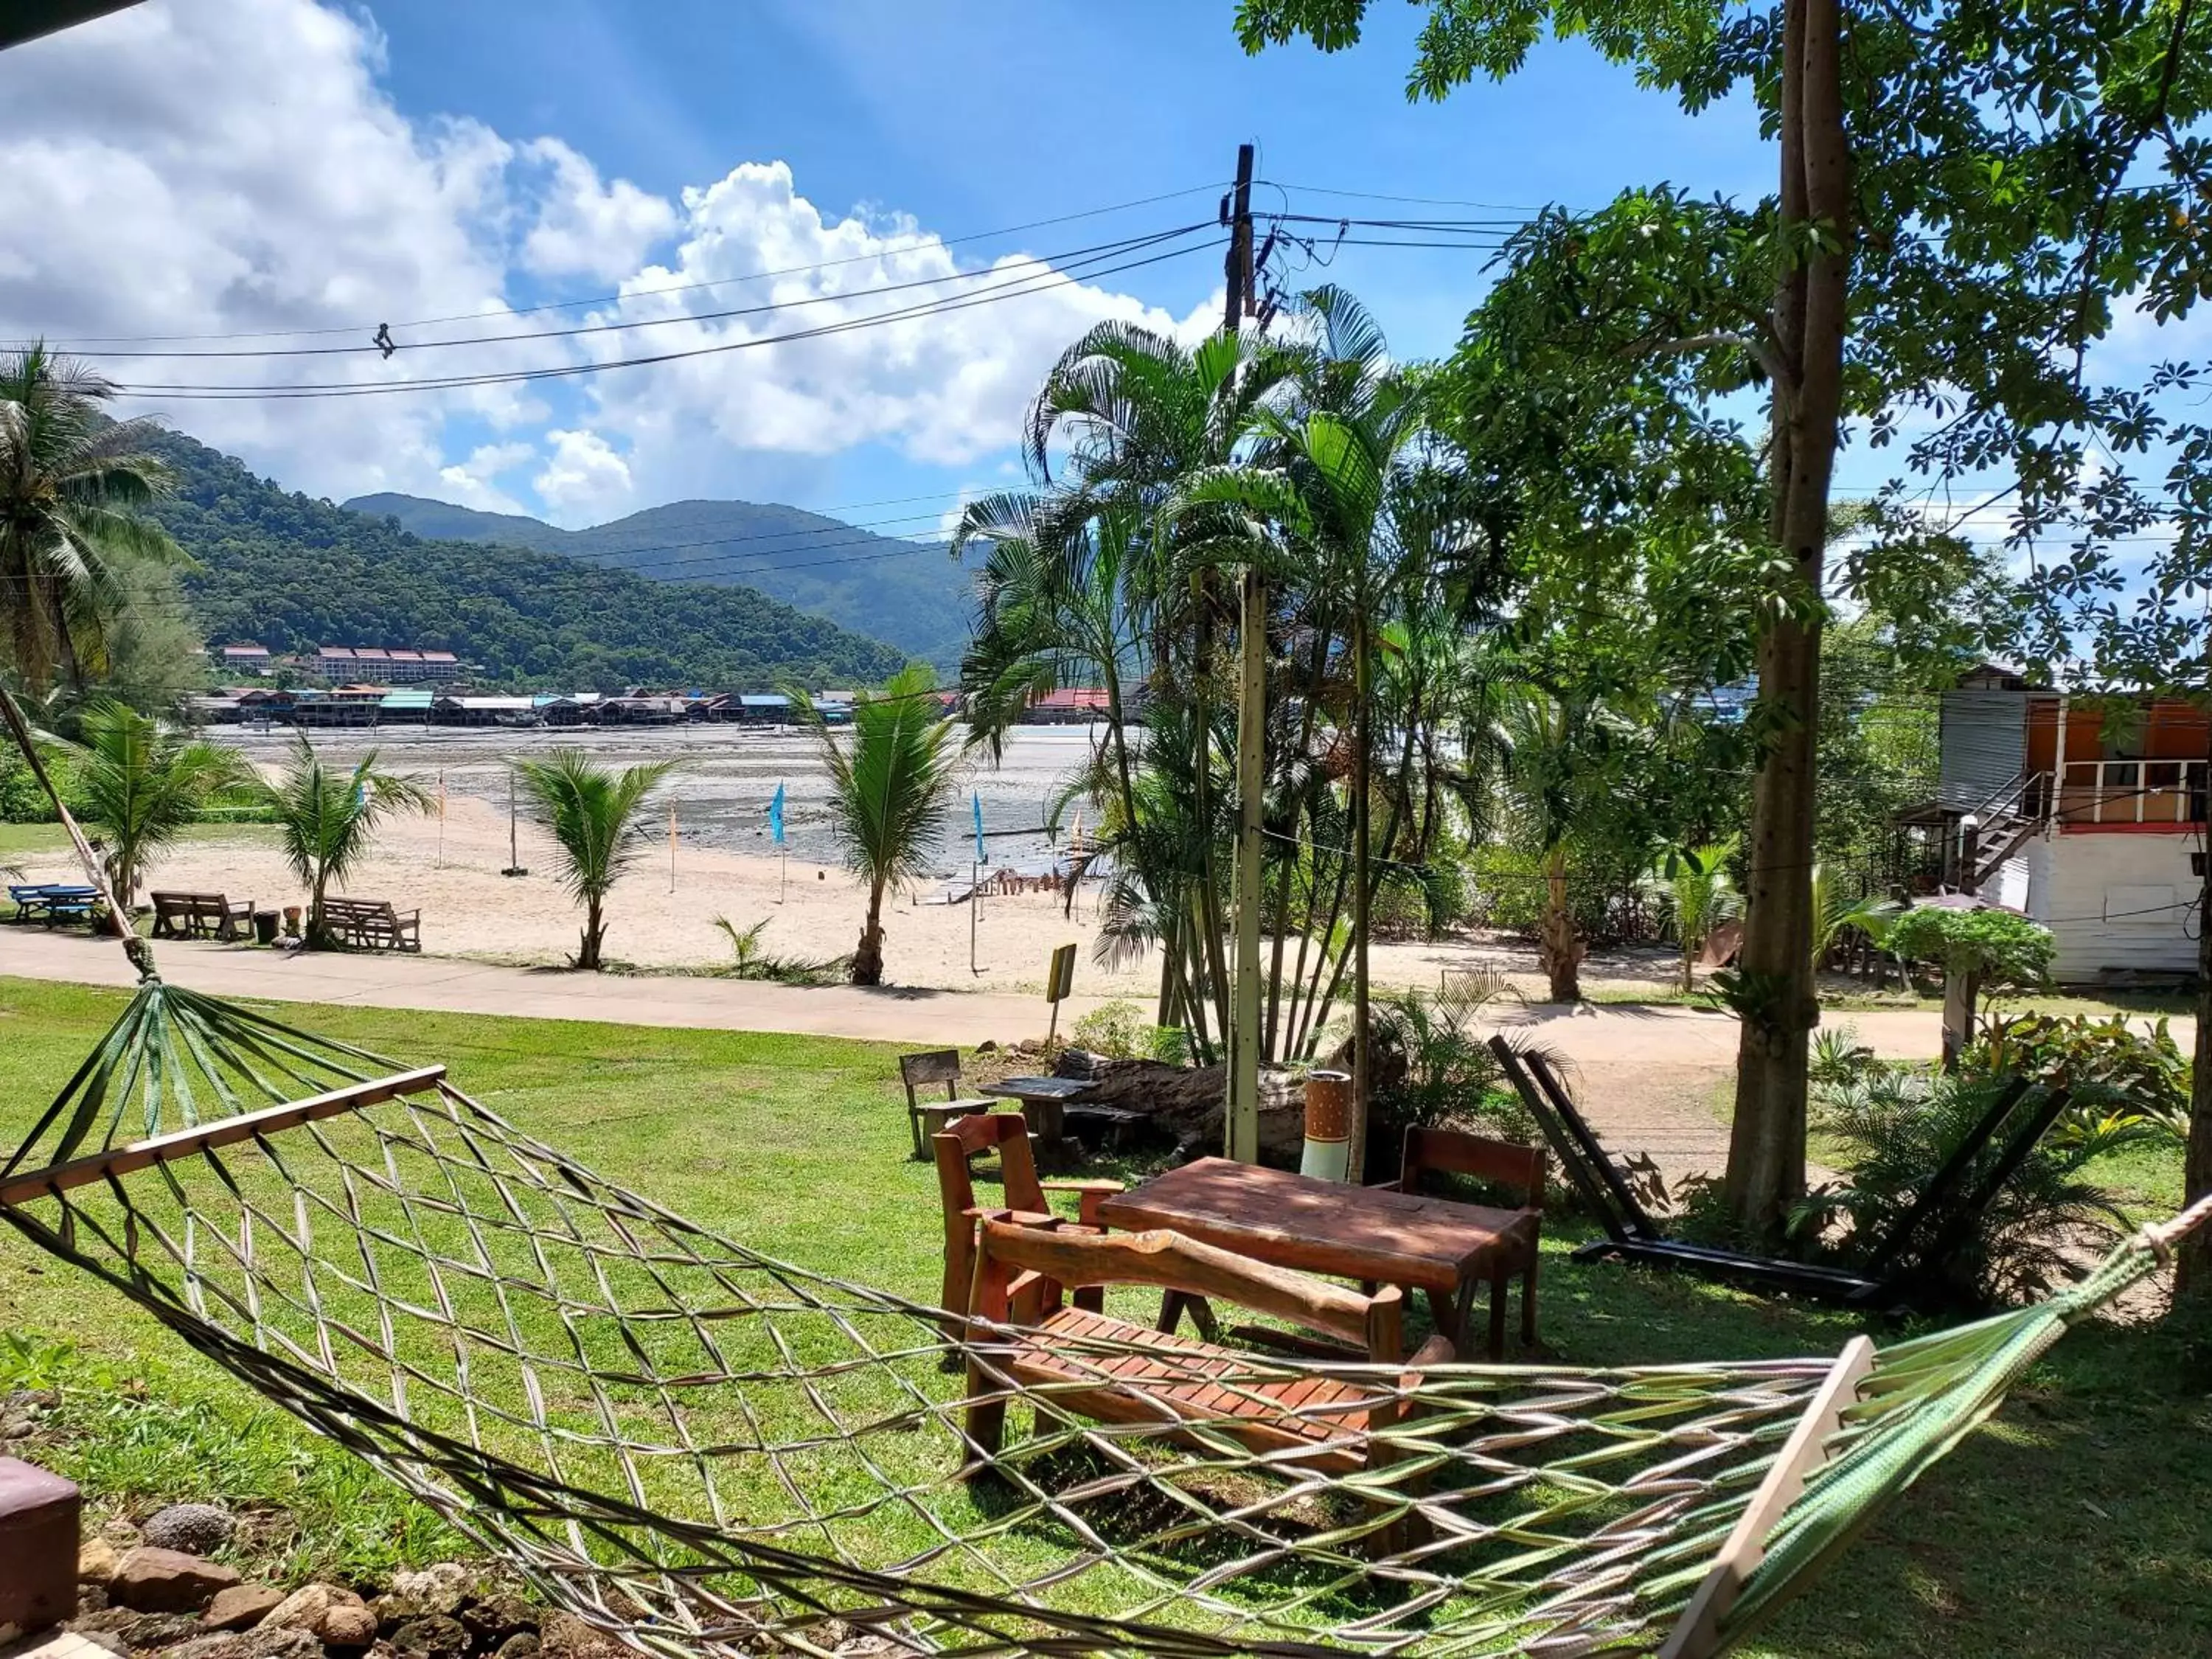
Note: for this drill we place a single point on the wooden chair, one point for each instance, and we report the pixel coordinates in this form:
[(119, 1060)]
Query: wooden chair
[(1023, 1276), (921, 1070), (1455, 1151), (1023, 1200)]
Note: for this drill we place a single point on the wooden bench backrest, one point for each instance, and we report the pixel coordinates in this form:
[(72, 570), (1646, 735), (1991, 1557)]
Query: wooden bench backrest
[(937, 1065), (982, 1132), (1071, 1261), (1455, 1151), (377, 909)]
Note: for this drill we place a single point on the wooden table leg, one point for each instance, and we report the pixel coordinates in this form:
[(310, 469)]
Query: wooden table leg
[(1501, 1286), (1450, 1320)]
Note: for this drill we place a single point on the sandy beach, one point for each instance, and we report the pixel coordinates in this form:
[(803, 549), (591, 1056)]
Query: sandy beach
[(725, 865)]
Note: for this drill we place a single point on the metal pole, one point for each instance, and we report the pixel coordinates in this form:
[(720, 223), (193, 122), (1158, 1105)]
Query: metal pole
[(1242, 1115), (975, 904)]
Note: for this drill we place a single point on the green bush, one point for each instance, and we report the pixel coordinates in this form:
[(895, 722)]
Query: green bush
[(2003, 947), (1119, 1031), (1434, 1067), (21, 800), (2112, 1069)]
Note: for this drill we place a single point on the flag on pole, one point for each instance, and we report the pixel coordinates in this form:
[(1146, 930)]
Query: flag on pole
[(977, 797), (775, 816)]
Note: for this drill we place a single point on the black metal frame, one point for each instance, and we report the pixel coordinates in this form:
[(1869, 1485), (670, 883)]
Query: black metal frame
[(1631, 1235)]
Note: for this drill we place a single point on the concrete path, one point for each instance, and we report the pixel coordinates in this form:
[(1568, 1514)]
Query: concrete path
[(1590, 1036)]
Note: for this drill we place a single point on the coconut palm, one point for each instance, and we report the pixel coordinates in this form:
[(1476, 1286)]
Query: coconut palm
[(591, 813), (141, 782), (1701, 892), (892, 778), (327, 818), (74, 488), (1835, 915)]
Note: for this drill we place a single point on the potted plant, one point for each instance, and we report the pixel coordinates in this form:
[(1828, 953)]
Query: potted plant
[(292, 913)]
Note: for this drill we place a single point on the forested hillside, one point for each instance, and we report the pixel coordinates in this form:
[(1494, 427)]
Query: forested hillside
[(291, 573), (909, 593)]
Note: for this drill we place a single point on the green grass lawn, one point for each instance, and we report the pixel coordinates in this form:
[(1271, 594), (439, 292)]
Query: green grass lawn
[(2075, 1525)]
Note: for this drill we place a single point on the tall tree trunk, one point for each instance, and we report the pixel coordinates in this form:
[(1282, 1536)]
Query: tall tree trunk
[(1559, 945), (2192, 1279), (1362, 1066), (1778, 1006)]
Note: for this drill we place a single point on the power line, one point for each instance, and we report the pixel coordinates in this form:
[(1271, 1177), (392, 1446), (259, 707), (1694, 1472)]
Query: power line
[(613, 299), (1070, 258), (1022, 288)]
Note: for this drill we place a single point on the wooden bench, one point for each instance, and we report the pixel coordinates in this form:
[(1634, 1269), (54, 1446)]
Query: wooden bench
[(373, 924), (1026, 1338), (201, 915), (921, 1071)]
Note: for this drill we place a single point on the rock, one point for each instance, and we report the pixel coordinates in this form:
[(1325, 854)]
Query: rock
[(492, 1619), (336, 1616), (30, 1399), (154, 1580), (91, 1598), (18, 1428), (439, 1589), (96, 1561), (120, 1533), (220, 1646), (523, 1644), (266, 1644), (195, 1529), (434, 1637), (987, 1046), (242, 1606), (564, 1635), (140, 1630), (109, 1640)]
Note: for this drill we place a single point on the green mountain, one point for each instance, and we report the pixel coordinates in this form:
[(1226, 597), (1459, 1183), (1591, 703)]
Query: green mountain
[(909, 593), (292, 572)]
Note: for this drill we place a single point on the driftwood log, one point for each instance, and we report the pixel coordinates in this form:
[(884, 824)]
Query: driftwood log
[(1184, 1102)]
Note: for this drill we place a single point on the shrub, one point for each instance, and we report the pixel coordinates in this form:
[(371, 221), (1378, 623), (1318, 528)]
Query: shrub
[(2112, 1069), (2001, 947), (753, 963), (1901, 1125), (1119, 1031), (21, 800), (1435, 1066)]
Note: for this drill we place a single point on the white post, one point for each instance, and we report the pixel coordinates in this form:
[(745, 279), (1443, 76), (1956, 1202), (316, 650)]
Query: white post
[(974, 903)]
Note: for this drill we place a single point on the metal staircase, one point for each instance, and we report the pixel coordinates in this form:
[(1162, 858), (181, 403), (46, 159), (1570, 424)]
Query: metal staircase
[(2001, 825)]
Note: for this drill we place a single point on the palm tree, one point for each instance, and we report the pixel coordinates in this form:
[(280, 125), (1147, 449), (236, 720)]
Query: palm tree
[(1834, 914), (591, 813), (1558, 769), (73, 486), (325, 819), (143, 782), (890, 786), (1696, 880)]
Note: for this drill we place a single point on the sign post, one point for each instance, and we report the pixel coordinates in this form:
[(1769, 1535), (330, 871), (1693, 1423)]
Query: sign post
[(1059, 981)]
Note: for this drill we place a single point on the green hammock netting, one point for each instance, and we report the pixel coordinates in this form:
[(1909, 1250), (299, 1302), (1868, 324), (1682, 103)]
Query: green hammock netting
[(704, 1451)]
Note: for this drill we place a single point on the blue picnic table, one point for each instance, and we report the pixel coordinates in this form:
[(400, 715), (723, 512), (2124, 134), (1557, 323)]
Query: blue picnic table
[(52, 901)]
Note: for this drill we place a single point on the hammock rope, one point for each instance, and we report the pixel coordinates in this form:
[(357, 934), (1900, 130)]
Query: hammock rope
[(704, 1451)]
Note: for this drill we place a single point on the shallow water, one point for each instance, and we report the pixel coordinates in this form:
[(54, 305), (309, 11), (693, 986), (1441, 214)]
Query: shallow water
[(726, 776)]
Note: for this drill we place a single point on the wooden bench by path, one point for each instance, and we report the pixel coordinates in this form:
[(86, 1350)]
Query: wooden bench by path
[(1074, 1361), (201, 915), (373, 924)]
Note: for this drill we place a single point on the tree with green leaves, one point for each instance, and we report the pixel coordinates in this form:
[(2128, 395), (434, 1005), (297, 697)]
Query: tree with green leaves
[(75, 490), (591, 811), (327, 818), (1701, 892), (893, 771), (141, 782), (1966, 199)]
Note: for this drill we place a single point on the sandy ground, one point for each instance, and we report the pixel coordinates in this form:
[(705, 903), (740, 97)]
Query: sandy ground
[(470, 909)]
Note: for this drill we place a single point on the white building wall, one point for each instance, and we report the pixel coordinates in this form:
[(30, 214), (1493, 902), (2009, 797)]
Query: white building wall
[(2114, 901)]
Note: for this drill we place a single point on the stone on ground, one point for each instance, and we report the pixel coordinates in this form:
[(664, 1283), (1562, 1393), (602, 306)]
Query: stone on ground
[(334, 1615), (434, 1636), (242, 1606), (96, 1561), (195, 1529), (154, 1580)]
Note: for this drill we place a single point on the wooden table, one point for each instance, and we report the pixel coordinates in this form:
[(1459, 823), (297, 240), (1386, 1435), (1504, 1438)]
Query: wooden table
[(1048, 1103), (1367, 1233)]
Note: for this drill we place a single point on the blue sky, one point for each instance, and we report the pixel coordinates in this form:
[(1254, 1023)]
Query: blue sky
[(278, 164)]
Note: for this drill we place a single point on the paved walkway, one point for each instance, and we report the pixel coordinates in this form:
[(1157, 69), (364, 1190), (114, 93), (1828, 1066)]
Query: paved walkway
[(1589, 1034)]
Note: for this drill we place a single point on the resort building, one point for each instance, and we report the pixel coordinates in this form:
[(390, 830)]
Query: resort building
[(240, 658), (392, 667), (2084, 814), (1069, 706)]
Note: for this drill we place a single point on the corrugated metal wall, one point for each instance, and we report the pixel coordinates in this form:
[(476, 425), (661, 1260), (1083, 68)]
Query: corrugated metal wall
[(1984, 744)]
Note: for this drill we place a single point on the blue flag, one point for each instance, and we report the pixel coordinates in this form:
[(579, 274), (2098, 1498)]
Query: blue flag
[(775, 816), (978, 798)]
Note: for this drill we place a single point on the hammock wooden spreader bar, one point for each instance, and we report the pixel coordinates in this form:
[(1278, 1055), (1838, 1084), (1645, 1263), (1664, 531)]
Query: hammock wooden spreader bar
[(706, 1451)]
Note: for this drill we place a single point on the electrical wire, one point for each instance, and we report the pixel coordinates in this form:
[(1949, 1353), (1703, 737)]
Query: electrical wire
[(1022, 288), (613, 299)]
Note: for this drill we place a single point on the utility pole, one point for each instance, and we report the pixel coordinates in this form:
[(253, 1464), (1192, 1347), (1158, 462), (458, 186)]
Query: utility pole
[(1242, 1138)]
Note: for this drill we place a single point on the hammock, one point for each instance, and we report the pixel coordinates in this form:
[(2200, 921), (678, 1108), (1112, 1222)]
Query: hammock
[(706, 1452)]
